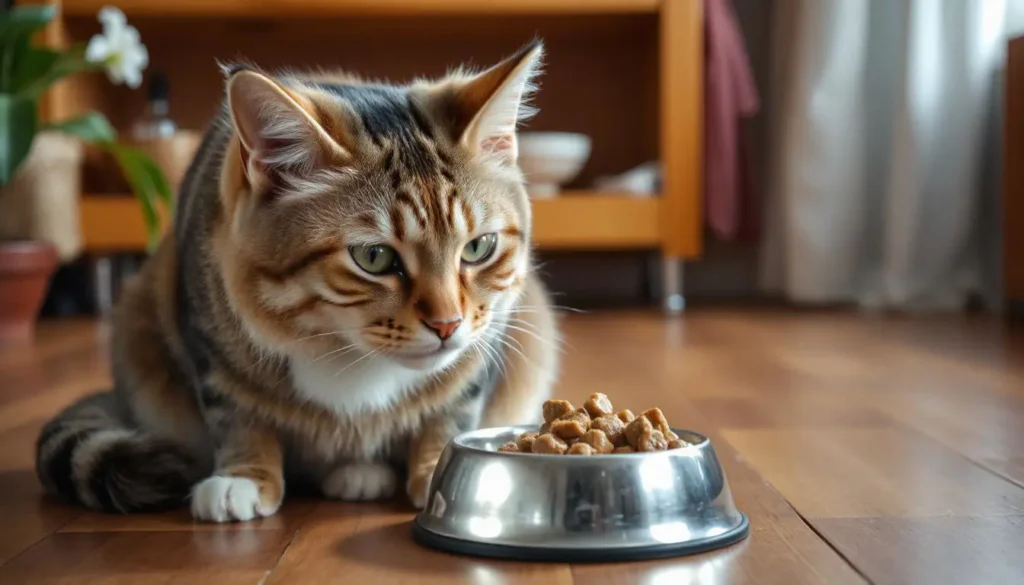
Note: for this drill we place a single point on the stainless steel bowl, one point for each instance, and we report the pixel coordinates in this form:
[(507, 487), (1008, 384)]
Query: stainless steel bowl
[(577, 508)]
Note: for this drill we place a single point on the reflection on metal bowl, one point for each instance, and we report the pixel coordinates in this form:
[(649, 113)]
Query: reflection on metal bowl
[(577, 508)]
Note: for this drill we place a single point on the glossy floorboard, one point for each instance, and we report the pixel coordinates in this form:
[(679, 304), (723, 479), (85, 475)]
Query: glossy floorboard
[(864, 450)]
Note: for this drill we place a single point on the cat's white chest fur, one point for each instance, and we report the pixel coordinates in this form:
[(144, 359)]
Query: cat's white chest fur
[(350, 387)]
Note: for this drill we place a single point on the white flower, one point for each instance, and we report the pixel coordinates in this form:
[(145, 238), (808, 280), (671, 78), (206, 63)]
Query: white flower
[(118, 49)]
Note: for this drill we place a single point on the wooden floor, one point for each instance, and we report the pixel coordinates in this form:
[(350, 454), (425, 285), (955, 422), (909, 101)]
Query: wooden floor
[(864, 450)]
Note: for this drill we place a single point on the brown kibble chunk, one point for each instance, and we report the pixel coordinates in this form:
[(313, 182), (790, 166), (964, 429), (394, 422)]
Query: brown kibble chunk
[(510, 447), (656, 441), (598, 440), (582, 448), (677, 444), (598, 405), (549, 444), (525, 441), (611, 426), (581, 414), (657, 419), (595, 429), (638, 430), (555, 409), (568, 429), (572, 426)]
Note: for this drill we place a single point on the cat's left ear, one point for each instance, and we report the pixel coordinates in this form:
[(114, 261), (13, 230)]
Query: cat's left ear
[(489, 105)]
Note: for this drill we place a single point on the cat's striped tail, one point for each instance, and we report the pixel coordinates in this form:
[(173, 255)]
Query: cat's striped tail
[(87, 455)]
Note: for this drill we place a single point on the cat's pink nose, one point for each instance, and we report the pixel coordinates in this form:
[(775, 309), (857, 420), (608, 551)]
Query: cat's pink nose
[(444, 328)]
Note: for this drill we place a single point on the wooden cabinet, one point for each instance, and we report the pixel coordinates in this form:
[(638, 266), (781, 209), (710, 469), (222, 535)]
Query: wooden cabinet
[(626, 72), (1013, 177)]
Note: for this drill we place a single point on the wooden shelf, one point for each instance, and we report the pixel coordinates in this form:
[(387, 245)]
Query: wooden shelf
[(579, 220), (300, 8), (657, 83), (573, 220)]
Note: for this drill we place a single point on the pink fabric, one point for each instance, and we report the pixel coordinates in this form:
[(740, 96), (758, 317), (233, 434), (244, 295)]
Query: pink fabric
[(730, 96)]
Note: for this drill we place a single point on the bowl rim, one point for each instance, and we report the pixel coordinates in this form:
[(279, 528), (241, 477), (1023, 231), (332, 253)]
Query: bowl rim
[(460, 441)]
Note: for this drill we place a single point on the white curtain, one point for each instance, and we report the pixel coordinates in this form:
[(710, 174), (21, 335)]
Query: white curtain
[(882, 114)]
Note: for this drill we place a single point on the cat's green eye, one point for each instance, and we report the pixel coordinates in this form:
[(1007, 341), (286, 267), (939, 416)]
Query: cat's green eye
[(378, 259), (480, 249)]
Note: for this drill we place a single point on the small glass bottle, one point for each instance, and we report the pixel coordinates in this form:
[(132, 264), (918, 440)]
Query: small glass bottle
[(156, 124)]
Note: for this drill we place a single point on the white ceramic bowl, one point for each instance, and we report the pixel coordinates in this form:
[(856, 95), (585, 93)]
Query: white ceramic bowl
[(551, 159)]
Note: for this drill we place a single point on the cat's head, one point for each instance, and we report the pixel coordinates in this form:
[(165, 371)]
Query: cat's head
[(388, 219)]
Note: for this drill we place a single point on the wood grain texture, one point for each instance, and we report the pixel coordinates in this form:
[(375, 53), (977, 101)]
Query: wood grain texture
[(863, 449), (573, 220), (936, 551), (682, 125), (627, 73), (1013, 172), (347, 7), (371, 544), (863, 472)]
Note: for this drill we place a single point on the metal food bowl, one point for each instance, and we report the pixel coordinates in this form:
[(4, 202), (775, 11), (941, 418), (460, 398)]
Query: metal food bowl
[(575, 508)]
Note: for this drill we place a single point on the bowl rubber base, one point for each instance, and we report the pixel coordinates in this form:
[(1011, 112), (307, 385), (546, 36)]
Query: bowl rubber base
[(572, 555)]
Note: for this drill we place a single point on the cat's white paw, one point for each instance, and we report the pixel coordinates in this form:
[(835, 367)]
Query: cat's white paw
[(226, 499), (360, 481)]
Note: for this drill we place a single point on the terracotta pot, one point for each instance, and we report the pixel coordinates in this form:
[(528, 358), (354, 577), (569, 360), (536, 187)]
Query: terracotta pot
[(25, 270)]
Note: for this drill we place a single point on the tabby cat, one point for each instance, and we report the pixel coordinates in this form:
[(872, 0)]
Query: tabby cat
[(347, 286)]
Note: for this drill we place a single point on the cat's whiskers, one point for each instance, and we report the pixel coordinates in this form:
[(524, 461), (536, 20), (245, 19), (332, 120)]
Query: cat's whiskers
[(494, 354), (502, 340), (555, 345), (346, 349), (367, 355)]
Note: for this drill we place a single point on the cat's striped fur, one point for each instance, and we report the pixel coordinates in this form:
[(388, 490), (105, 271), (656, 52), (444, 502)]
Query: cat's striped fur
[(254, 346)]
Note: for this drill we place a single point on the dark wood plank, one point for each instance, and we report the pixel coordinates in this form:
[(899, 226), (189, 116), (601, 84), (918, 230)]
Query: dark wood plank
[(936, 551), (890, 436), (874, 473), (372, 544), (186, 558)]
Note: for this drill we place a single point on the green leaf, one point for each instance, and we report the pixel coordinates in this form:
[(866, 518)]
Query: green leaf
[(146, 184), (19, 120), (16, 30), (28, 16), (32, 65), (90, 127), (156, 175), (41, 68)]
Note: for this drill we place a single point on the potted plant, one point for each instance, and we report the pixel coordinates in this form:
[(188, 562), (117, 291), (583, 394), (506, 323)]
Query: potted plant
[(27, 70)]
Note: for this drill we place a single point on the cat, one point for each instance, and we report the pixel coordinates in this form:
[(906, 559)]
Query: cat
[(348, 285)]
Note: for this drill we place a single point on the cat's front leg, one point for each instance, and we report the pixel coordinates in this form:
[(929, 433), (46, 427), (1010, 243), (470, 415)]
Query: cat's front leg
[(360, 481), (426, 447), (248, 481)]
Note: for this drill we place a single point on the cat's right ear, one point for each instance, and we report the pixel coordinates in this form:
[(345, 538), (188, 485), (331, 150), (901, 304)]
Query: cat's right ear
[(279, 134)]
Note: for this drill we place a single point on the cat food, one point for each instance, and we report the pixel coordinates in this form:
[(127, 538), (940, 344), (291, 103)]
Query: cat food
[(556, 409), (572, 426), (596, 429), (549, 444), (598, 405), (598, 440), (525, 441), (582, 449), (612, 427)]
